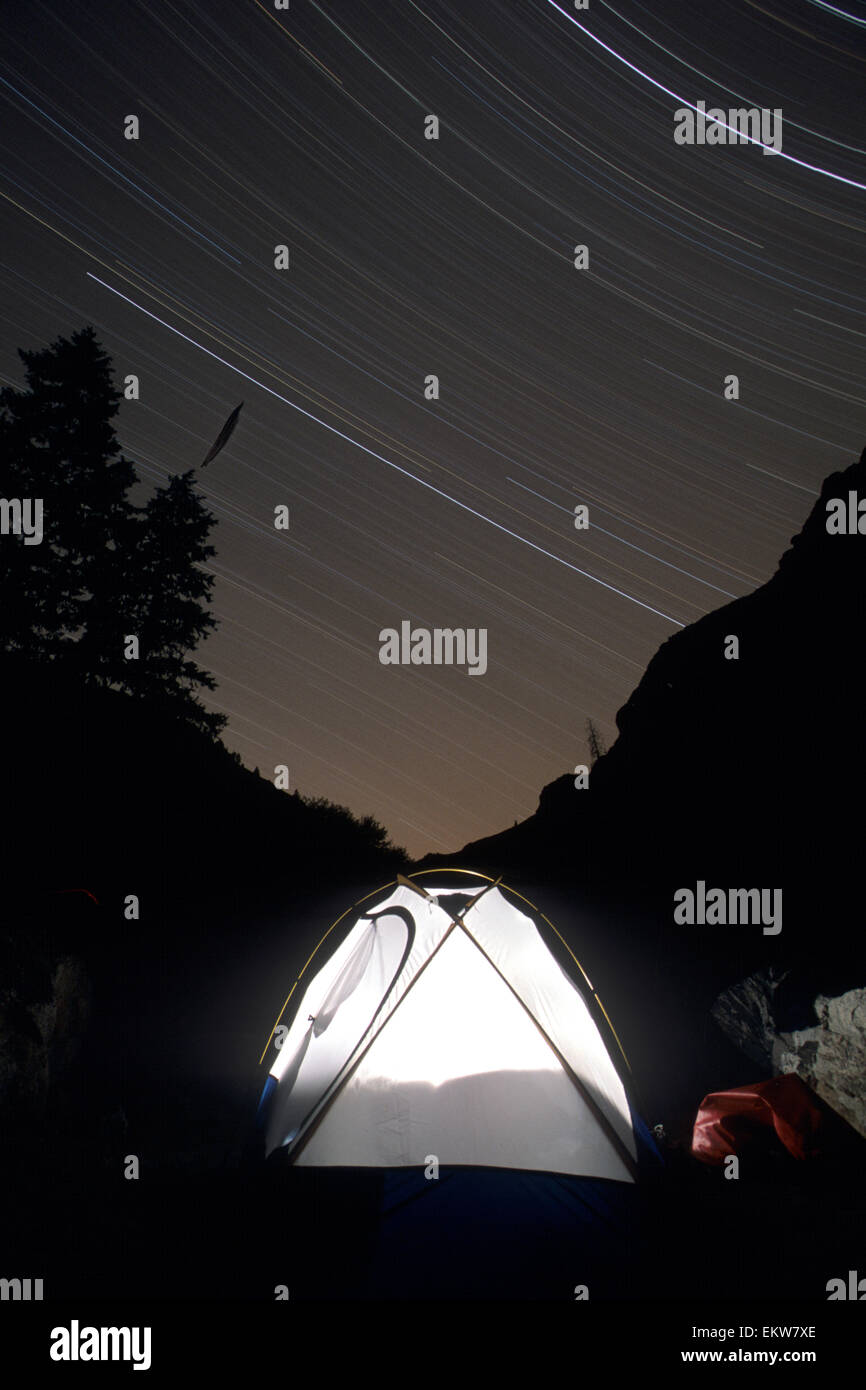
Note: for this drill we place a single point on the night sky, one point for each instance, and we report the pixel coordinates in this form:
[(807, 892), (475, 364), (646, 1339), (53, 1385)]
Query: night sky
[(454, 257)]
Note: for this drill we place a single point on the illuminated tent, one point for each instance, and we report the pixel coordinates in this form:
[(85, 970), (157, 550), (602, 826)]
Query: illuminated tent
[(444, 1040), (442, 1027)]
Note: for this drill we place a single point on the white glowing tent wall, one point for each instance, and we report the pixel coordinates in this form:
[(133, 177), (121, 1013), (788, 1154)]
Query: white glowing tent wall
[(465, 1066)]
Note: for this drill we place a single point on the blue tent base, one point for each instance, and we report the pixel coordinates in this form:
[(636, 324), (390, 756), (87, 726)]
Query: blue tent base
[(478, 1233), (471, 1233)]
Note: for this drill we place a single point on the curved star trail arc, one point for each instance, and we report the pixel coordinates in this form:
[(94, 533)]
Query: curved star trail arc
[(488, 521), (454, 257), (681, 101)]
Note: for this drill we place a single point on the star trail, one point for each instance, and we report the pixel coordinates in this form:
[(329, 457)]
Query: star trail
[(562, 380)]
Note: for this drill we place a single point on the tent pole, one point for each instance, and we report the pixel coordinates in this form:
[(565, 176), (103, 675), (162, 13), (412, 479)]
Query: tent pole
[(570, 1073), (352, 1065)]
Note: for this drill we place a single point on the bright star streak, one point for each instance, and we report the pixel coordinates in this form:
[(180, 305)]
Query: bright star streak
[(447, 496), (843, 14), (815, 168)]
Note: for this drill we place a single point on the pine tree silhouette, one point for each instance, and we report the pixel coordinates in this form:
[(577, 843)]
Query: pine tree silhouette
[(106, 568), (596, 743), (167, 610), (57, 443)]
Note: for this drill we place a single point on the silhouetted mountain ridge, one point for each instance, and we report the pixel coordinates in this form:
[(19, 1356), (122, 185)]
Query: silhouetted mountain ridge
[(738, 772)]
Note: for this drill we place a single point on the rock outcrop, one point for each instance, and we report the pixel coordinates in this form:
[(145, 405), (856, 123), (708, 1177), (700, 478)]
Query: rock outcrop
[(828, 1054)]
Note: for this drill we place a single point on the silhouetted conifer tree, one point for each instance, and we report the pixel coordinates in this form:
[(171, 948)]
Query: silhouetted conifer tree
[(596, 743), (57, 443), (105, 569), (167, 608)]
